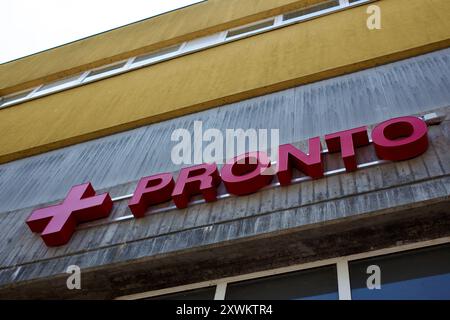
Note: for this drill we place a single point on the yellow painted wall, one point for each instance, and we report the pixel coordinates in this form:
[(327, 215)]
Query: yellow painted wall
[(174, 27), (309, 51)]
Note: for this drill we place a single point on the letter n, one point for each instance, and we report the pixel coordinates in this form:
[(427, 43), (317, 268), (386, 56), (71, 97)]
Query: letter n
[(289, 157)]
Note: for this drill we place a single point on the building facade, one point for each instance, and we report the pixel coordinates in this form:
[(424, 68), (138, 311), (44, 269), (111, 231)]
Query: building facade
[(104, 110)]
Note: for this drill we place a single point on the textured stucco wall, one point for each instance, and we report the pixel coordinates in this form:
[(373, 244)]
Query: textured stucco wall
[(174, 27)]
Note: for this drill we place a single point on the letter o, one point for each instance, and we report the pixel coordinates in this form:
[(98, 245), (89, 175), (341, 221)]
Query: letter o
[(247, 173), (400, 138)]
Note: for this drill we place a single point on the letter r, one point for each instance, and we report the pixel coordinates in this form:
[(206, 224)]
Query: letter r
[(201, 179), (150, 191)]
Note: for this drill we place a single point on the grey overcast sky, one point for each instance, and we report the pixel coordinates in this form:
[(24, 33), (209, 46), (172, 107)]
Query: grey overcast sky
[(30, 26)]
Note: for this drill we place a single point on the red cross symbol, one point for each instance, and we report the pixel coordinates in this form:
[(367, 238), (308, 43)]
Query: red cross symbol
[(57, 223)]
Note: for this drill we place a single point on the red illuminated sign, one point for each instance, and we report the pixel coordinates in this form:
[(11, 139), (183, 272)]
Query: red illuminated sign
[(396, 139)]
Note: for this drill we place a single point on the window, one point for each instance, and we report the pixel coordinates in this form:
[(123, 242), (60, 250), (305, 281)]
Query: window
[(406, 273), (157, 54), (312, 284), (204, 41), (250, 28), (15, 97), (101, 72), (315, 8), (197, 294), (419, 274), (59, 84)]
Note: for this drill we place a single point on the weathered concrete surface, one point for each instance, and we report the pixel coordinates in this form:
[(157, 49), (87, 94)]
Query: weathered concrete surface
[(403, 88), (371, 208), (367, 209), (230, 258)]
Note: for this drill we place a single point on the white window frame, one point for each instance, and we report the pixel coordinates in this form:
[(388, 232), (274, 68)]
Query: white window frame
[(17, 101), (253, 32), (38, 93), (341, 263), (315, 14), (156, 59), (214, 40), (106, 74)]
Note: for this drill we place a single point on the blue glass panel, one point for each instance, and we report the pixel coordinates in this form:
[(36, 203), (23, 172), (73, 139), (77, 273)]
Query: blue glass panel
[(427, 288), (197, 294), (413, 275), (312, 284), (325, 296)]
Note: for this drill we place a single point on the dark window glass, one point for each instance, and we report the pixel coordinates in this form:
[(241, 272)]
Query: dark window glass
[(251, 28), (15, 97), (157, 53), (59, 82), (419, 274), (197, 294), (106, 69), (312, 284), (315, 8)]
